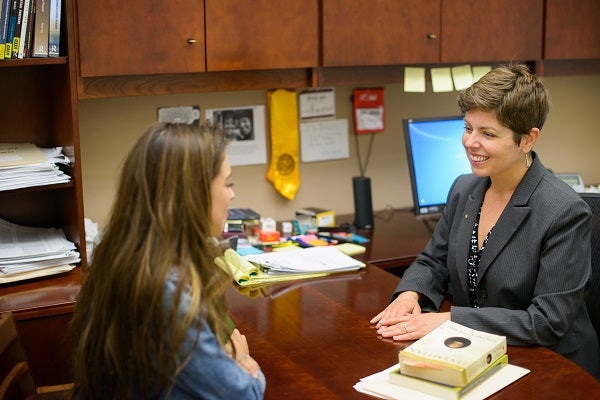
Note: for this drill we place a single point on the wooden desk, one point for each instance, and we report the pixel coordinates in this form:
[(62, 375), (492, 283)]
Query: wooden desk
[(43, 307), (315, 342)]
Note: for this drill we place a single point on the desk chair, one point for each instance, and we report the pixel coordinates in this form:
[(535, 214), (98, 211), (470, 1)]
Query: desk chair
[(593, 200), (17, 381)]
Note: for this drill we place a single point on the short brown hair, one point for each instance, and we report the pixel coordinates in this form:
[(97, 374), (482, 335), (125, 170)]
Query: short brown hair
[(517, 96)]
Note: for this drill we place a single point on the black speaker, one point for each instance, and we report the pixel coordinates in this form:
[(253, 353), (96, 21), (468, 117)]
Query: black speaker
[(363, 205)]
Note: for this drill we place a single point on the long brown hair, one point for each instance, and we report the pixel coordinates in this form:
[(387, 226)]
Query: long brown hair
[(160, 220)]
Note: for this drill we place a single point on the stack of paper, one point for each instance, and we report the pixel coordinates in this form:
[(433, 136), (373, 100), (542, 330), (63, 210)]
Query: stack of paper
[(275, 267), (313, 259), (25, 165), (27, 252)]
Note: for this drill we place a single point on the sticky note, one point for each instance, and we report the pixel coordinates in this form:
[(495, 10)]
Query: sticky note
[(414, 79), (441, 79), (462, 76)]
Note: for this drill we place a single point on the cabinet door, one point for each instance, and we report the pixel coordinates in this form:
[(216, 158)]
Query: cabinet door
[(261, 34), (491, 30), (151, 36), (572, 29), (382, 32)]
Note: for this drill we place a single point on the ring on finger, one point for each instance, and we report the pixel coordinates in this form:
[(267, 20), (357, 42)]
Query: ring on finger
[(405, 328)]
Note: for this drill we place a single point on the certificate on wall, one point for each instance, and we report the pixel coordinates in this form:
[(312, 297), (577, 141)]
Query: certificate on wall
[(245, 129), (324, 140)]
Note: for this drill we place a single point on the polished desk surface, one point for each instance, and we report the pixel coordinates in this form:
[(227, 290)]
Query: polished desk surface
[(313, 340)]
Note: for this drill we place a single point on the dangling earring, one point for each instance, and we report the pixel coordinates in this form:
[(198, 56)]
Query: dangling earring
[(527, 161)]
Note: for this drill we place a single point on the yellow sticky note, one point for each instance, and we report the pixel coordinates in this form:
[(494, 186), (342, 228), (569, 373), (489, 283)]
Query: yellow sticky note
[(441, 79), (414, 79), (480, 71), (462, 76)]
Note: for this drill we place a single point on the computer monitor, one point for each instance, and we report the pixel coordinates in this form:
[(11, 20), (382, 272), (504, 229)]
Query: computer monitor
[(436, 157)]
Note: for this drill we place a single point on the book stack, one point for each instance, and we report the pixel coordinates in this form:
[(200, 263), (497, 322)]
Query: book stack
[(450, 361), (239, 221), (30, 28)]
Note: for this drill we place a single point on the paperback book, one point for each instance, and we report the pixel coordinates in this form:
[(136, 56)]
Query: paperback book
[(441, 390), (451, 354)]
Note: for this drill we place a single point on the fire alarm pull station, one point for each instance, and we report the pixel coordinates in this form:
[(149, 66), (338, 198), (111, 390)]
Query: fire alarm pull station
[(368, 110)]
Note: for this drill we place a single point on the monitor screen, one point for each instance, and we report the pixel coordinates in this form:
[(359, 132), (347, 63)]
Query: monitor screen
[(436, 157)]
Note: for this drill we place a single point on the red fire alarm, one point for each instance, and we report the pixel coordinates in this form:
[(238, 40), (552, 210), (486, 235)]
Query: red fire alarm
[(369, 111)]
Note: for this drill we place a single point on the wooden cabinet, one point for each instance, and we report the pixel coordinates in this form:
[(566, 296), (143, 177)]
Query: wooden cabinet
[(39, 105), (491, 30), (261, 34), (383, 32), (387, 32), (157, 37), (572, 30), (140, 37)]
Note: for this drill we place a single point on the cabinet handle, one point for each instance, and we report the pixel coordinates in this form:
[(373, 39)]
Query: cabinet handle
[(191, 41), (431, 36)]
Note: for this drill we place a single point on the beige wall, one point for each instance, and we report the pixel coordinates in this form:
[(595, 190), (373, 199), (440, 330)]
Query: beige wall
[(108, 128)]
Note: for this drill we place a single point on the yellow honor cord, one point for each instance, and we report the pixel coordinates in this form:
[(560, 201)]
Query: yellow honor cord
[(284, 169)]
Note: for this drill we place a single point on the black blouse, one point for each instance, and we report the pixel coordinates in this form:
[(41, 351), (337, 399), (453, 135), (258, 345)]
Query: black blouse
[(473, 260)]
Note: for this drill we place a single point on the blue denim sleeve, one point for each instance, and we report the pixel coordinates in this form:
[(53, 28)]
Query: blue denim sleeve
[(210, 373)]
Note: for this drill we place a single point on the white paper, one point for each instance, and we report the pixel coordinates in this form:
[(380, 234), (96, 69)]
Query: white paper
[(317, 104), (312, 259), (324, 140), (378, 385)]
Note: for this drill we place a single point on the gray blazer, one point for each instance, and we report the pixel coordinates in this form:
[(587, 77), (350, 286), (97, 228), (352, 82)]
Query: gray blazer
[(532, 274)]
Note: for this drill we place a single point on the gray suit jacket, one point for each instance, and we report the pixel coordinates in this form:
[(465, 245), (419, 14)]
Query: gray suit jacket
[(533, 272)]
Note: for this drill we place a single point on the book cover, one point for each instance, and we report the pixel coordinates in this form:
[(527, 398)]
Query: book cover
[(242, 214), (4, 15), (40, 29), (441, 390), (54, 29), (29, 30), (17, 32), (10, 33), (452, 354), (20, 50)]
